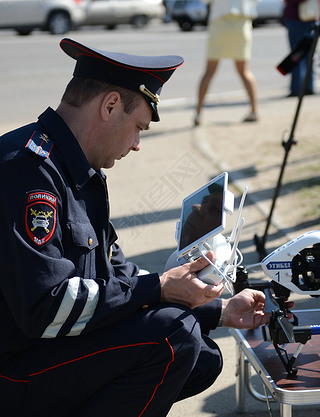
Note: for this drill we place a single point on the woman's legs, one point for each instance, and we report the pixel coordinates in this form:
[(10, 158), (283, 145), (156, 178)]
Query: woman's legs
[(204, 85), (250, 86), (247, 79)]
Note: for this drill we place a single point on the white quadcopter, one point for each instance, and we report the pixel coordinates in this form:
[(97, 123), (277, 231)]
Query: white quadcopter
[(296, 265)]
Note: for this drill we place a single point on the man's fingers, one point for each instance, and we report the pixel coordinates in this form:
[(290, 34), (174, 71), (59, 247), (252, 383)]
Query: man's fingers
[(201, 262)]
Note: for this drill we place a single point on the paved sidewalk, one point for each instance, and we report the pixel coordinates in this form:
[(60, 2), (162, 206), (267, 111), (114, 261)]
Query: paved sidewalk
[(177, 158)]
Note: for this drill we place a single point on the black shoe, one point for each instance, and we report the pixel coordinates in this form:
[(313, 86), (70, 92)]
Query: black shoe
[(307, 93)]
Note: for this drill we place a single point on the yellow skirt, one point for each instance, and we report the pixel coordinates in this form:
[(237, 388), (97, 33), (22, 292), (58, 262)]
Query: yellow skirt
[(230, 37)]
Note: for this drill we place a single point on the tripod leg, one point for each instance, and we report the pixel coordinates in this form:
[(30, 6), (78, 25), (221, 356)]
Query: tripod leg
[(260, 243)]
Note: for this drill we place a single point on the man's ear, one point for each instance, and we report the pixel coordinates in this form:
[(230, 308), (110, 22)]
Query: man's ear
[(109, 102)]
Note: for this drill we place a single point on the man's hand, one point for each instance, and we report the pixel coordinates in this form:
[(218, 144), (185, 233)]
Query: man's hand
[(246, 310), (181, 285)]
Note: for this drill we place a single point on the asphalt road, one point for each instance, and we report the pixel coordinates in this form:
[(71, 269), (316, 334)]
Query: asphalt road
[(34, 71)]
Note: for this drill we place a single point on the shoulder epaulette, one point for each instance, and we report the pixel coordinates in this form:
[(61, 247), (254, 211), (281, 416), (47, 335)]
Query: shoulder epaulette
[(40, 144)]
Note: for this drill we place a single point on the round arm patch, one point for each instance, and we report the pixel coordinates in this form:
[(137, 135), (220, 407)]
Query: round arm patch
[(40, 216)]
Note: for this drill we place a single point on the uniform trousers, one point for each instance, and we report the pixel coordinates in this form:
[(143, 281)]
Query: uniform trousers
[(135, 368)]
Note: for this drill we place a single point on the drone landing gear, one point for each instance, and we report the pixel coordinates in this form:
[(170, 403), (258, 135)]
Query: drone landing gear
[(281, 331), (288, 362)]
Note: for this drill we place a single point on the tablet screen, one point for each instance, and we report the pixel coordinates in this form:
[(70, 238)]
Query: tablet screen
[(202, 214)]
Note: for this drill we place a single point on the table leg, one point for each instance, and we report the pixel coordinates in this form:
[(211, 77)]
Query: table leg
[(240, 381), (285, 410)]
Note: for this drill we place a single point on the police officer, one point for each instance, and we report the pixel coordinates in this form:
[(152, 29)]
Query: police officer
[(82, 333)]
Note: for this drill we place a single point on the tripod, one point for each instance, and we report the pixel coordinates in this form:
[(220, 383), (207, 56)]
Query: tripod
[(260, 242)]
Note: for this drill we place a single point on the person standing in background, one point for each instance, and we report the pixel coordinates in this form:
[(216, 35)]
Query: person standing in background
[(296, 31), (230, 36)]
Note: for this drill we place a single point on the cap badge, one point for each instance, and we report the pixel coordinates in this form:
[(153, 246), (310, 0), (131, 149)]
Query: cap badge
[(154, 97)]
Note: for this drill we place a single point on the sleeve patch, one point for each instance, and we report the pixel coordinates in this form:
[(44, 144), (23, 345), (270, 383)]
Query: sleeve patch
[(40, 144), (40, 216)]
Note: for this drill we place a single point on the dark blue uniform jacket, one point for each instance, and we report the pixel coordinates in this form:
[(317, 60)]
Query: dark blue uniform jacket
[(61, 272)]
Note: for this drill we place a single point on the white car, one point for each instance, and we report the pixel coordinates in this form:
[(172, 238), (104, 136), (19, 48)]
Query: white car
[(56, 16), (269, 10), (111, 13)]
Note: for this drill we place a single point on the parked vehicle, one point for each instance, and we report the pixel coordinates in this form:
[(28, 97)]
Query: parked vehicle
[(115, 12), (189, 13), (269, 10), (56, 16)]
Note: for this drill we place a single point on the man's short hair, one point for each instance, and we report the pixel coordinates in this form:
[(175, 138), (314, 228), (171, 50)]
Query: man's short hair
[(80, 91)]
